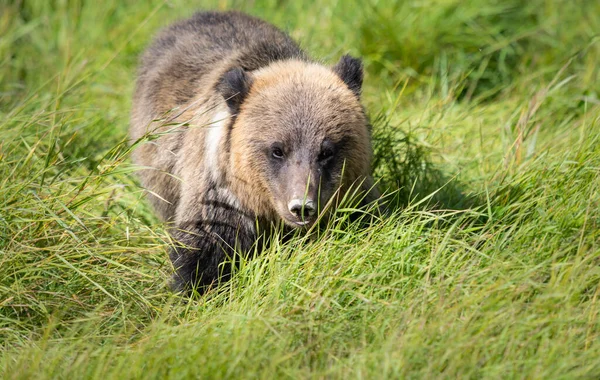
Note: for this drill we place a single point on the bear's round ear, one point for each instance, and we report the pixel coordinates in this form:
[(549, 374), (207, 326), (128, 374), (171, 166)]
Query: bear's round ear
[(350, 70), (234, 87)]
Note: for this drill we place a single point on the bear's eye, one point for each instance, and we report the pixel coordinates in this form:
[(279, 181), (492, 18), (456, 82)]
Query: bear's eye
[(325, 154), (277, 152), (327, 151)]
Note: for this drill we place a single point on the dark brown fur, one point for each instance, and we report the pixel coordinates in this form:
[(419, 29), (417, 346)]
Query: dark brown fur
[(245, 132)]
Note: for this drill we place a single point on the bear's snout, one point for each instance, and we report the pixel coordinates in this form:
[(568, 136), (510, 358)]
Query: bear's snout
[(303, 209)]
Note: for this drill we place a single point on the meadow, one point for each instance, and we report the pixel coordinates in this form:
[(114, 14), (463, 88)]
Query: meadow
[(486, 133)]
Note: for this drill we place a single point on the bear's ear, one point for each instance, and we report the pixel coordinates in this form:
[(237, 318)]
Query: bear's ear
[(350, 69), (234, 87)]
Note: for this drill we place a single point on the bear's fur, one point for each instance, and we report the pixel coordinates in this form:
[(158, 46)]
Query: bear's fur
[(238, 130)]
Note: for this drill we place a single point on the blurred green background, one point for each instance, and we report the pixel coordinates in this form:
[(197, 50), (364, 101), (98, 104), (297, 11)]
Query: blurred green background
[(486, 134)]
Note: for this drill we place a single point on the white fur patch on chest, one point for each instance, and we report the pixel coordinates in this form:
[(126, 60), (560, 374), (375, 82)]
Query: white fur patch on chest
[(212, 143), (213, 146)]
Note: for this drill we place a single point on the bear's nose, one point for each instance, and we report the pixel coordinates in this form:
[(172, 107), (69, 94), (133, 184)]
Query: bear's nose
[(302, 209)]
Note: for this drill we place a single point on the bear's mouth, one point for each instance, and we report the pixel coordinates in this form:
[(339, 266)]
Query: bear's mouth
[(298, 223), (301, 223)]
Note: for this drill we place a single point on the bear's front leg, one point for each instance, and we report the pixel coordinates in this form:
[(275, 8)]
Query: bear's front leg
[(207, 241)]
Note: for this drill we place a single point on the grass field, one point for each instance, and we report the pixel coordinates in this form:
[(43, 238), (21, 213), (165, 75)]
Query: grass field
[(486, 122)]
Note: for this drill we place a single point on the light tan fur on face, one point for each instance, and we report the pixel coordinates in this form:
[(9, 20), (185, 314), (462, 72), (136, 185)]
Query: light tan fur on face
[(280, 93)]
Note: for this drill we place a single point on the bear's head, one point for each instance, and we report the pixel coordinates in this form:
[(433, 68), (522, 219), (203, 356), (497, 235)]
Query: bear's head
[(300, 138)]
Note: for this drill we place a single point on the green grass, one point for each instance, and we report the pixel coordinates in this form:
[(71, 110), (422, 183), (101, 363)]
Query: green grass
[(486, 130)]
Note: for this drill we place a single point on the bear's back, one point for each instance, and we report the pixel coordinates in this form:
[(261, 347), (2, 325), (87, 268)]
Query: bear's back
[(189, 54)]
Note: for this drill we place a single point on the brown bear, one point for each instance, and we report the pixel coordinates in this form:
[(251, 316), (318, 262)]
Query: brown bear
[(237, 131)]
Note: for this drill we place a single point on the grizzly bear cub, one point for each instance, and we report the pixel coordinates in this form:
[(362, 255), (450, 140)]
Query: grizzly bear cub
[(237, 131)]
